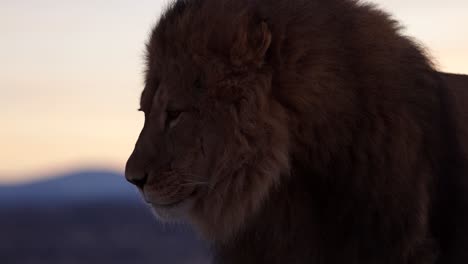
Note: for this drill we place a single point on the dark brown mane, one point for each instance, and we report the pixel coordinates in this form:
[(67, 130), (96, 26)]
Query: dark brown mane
[(331, 137)]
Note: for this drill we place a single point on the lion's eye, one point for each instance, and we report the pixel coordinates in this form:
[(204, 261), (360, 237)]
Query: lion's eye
[(172, 116)]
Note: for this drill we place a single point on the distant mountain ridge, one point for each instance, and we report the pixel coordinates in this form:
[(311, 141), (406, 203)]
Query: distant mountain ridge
[(88, 216), (74, 187)]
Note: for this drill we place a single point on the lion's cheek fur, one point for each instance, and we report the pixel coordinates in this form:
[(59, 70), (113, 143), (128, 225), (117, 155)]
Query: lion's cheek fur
[(252, 164)]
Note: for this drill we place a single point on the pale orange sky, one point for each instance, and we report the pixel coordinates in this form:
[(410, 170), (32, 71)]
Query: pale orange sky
[(71, 75)]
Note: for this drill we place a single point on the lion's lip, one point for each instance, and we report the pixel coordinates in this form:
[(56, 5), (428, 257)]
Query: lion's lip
[(156, 203)]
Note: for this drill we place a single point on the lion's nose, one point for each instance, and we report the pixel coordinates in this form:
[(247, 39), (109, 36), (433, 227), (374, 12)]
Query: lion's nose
[(134, 172), (139, 182)]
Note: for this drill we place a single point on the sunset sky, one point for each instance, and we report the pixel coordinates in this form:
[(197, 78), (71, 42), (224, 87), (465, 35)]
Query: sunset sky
[(71, 75)]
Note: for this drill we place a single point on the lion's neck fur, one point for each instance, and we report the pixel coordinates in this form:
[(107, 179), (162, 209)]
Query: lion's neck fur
[(314, 221), (281, 232), (364, 209)]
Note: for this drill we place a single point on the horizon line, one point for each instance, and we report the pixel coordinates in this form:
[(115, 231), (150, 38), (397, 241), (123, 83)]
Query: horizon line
[(54, 171)]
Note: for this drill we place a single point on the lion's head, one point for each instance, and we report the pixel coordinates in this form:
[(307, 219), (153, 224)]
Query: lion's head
[(215, 141)]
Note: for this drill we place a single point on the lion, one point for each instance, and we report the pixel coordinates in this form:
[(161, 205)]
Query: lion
[(303, 131)]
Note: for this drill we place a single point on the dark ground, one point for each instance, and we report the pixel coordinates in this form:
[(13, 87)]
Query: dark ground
[(101, 232)]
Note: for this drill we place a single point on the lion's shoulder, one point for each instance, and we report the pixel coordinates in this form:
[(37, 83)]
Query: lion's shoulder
[(457, 85)]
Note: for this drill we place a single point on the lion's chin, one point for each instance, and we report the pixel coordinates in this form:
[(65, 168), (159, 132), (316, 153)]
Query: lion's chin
[(177, 212), (171, 209)]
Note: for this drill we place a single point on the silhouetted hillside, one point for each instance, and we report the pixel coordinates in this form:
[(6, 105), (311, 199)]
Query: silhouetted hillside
[(67, 220), (80, 186)]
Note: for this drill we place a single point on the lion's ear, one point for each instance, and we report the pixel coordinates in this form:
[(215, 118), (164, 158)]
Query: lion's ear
[(251, 45)]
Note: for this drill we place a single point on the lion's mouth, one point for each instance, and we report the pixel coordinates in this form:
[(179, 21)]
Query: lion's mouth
[(168, 202)]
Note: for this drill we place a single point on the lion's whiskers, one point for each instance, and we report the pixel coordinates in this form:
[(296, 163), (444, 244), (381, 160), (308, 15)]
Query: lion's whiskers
[(191, 182), (196, 183)]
